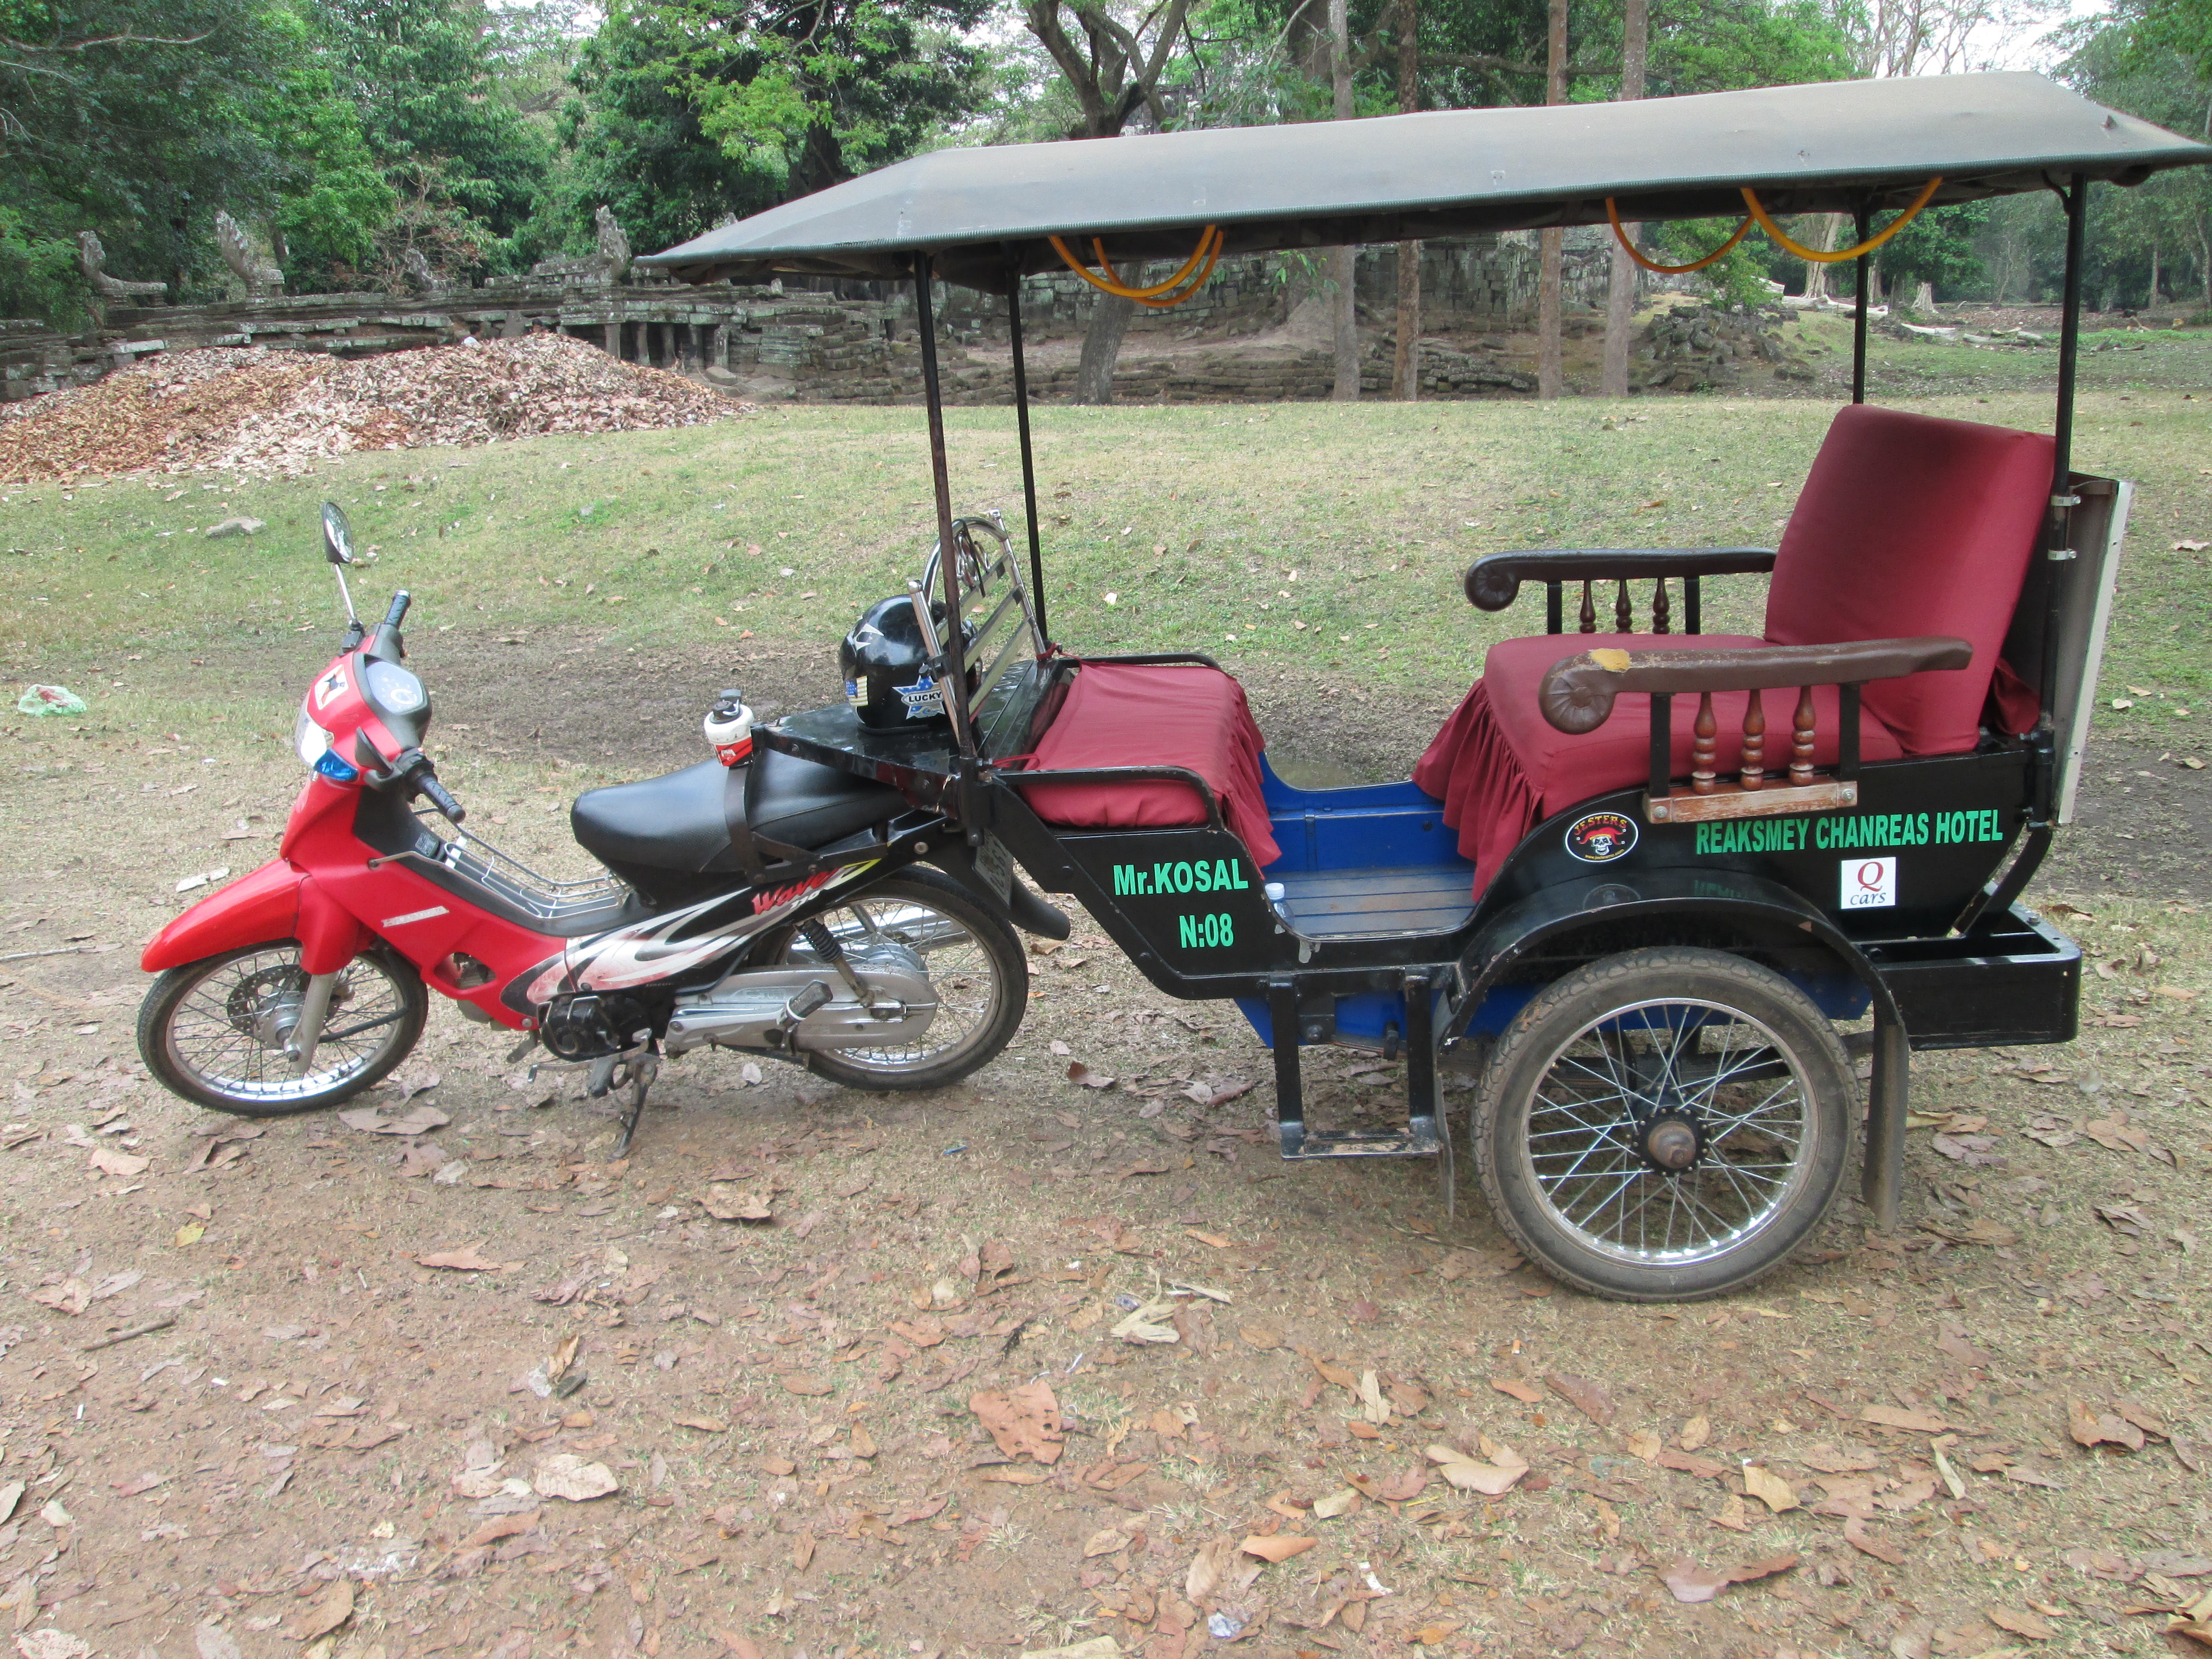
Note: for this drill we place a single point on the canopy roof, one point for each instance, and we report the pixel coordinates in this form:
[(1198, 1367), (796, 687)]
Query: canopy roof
[(1836, 146)]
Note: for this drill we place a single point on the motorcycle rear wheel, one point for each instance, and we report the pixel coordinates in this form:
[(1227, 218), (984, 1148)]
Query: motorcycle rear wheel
[(976, 966), (214, 1030)]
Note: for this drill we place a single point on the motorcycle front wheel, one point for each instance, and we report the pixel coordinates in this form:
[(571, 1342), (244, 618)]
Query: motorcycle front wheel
[(976, 967), (215, 1031)]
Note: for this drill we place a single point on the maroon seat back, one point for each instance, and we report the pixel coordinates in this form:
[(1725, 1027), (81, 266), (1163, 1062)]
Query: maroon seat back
[(1912, 525)]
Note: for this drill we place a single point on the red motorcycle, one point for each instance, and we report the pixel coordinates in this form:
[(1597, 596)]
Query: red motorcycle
[(770, 905)]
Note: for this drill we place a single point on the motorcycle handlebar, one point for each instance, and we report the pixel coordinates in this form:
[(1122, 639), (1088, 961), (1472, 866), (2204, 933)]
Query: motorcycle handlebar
[(397, 614), (414, 771), (441, 797)]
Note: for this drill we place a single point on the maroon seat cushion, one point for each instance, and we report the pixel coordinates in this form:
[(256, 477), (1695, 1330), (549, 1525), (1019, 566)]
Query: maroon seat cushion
[(1912, 525), (1154, 715), (1501, 768)]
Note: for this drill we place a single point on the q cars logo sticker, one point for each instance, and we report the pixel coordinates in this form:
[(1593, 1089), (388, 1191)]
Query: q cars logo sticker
[(1869, 884), (1601, 837)]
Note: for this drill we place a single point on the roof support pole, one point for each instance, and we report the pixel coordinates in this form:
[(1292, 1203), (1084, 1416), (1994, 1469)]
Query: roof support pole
[(2076, 200), (2059, 531), (1028, 462), (1859, 321), (948, 558)]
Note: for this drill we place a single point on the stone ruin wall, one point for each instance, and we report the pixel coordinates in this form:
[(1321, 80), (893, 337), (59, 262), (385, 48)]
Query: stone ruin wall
[(859, 344)]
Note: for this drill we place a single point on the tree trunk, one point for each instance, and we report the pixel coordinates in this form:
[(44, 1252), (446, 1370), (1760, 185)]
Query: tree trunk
[(1343, 262), (1620, 291), (1405, 371), (2150, 302), (1816, 273), (1102, 346), (1550, 368)]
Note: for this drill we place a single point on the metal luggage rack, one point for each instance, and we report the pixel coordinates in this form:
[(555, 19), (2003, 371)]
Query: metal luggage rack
[(477, 859)]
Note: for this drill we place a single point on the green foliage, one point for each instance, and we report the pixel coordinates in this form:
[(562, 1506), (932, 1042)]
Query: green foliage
[(423, 75), (2144, 62), (38, 274), (135, 118)]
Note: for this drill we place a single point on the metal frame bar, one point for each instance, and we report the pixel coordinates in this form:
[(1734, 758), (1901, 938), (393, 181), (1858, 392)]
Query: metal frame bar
[(1028, 460), (1860, 221), (2059, 540), (956, 679)]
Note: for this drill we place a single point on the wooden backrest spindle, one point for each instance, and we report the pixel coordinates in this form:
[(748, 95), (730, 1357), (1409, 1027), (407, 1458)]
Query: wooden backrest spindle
[(1804, 737), (1590, 611), (1624, 613), (1703, 747), (1754, 742), (1659, 613)]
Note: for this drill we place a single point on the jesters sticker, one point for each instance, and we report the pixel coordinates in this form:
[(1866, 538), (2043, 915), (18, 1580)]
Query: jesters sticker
[(1601, 837)]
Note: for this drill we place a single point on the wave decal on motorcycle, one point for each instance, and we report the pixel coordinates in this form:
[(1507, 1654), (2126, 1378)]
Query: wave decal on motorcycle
[(655, 950)]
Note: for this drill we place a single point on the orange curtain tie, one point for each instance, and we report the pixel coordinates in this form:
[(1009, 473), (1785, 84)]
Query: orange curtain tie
[(1190, 278), (1759, 215)]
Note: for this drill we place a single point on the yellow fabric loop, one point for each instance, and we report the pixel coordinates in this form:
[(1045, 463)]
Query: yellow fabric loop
[(1196, 282), (1201, 262), (1782, 239), (1613, 214)]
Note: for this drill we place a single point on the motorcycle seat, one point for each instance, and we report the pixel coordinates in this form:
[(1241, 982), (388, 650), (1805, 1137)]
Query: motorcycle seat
[(681, 822)]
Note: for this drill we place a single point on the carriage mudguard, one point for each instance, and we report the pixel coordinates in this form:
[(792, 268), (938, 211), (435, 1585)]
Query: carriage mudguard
[(1717, 903)]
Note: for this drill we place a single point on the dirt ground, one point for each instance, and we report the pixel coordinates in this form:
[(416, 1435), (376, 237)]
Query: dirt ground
[(312, 1439)]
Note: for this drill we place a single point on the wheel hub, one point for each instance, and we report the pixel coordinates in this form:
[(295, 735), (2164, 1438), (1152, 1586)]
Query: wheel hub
[(265, 1005), (1671, 1143)]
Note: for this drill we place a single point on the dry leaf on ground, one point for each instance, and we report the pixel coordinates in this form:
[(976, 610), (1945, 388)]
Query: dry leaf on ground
[(1207, 1569), (566, 1475), (1694, 1583), (726, 1203), (466, 1260), (1022, 1420), (2020, 1624), (1584, 1395), (1769, 1488), (415, 1120), (2091, 1427), (329, 1610), (1493, 1480), (1279, 1546)]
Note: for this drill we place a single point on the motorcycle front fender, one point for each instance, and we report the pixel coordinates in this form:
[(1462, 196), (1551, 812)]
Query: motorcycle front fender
[(275, 903)]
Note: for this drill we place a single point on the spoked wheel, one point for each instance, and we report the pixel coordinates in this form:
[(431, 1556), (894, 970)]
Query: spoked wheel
[(216, 1030), (976, 968), (1664, 1124)]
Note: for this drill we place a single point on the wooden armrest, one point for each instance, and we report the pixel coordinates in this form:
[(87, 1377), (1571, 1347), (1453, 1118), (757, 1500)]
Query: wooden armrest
[(1493, 580), (1577, 693)]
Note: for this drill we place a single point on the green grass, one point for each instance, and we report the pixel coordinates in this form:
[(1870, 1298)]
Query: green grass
[(1218, 528)]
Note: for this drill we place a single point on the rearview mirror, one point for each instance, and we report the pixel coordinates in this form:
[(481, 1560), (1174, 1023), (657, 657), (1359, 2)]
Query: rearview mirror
[(337, 535)]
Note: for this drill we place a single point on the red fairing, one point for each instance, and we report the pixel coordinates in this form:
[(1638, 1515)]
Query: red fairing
[(254, 909), (327, 889)]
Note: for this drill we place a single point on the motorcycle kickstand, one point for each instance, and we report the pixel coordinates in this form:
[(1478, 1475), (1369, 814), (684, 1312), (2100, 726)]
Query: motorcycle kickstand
[(637, 1073)]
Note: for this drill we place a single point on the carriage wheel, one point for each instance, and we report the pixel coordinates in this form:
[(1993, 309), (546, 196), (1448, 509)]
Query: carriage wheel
[(1664, 1124)]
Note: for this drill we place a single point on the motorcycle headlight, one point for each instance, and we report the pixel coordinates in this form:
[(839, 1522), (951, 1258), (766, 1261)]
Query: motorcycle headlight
[(309, 740)]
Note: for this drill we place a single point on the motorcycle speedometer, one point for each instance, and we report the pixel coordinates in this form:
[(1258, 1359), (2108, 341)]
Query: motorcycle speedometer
[(309, 740), (392, 688)]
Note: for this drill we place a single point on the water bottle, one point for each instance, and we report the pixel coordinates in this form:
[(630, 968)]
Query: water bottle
[(730, 728)]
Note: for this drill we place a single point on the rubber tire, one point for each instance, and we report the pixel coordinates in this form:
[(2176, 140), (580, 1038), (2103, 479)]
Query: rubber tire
[(1500, 1116), (1009, 962), (170, 990)]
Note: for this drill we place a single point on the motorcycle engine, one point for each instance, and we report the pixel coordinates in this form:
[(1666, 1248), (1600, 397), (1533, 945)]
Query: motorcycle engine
[(588, 1027)]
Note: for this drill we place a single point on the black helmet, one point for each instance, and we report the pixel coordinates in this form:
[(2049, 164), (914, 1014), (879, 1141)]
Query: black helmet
[(888, 679)]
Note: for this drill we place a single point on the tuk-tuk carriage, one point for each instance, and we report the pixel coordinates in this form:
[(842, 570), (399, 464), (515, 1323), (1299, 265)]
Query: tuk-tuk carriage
[(1654, 915)]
